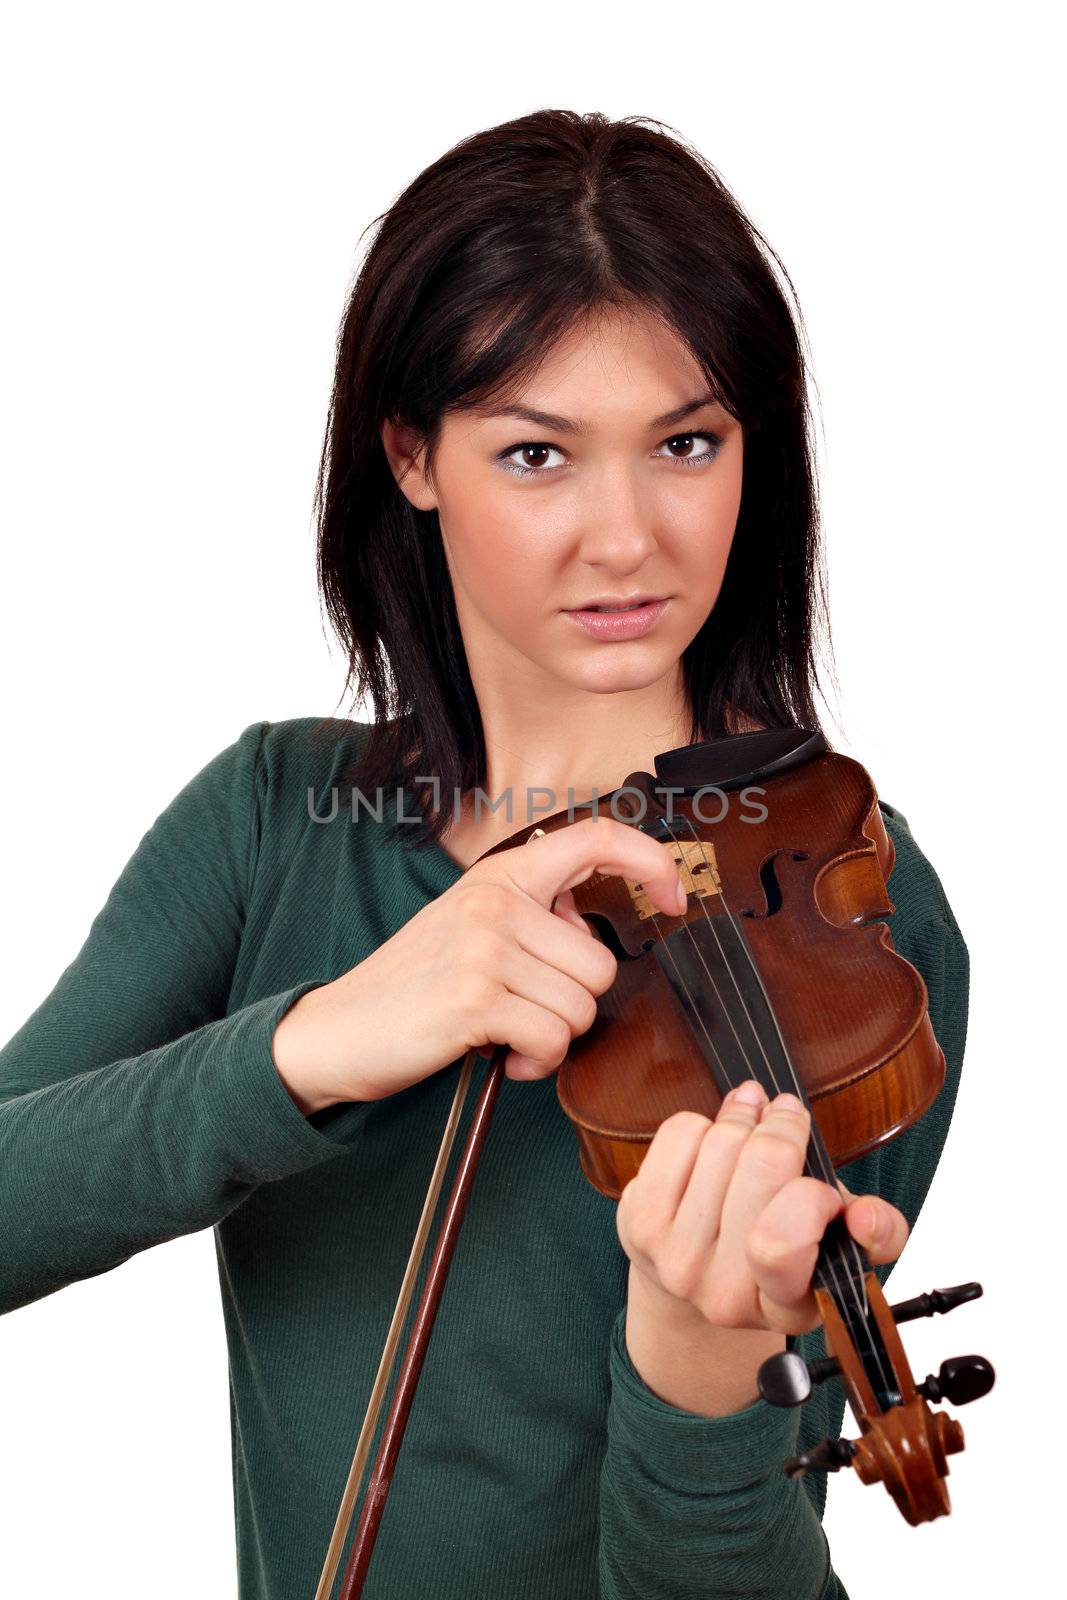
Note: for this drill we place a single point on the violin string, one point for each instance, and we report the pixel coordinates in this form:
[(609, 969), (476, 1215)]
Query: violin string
[(855, 1284)]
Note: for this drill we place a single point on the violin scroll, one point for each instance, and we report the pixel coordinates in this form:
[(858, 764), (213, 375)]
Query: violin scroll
[(902, 1444)]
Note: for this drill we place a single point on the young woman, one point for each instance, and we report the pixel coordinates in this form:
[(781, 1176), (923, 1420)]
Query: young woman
[(565, 343)]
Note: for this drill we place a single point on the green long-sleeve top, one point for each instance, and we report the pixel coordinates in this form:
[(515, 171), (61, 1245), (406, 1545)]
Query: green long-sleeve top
[(140, 1101)]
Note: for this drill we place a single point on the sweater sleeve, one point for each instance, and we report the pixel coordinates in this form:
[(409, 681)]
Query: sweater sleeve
[(696, 1507), (133, 1108)]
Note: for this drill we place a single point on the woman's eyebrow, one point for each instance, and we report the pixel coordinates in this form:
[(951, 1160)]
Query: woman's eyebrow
[(558, 424)]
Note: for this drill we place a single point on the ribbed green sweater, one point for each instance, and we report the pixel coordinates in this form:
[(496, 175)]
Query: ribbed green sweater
[(140, 1102)]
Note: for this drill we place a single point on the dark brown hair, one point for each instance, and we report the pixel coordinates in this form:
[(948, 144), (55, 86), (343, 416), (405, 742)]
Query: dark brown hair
[(488, 257)]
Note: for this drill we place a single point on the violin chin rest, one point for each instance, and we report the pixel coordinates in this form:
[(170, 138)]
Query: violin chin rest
[(737, 759)]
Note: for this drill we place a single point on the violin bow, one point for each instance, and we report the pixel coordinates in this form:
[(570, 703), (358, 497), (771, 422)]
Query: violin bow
[(381, 1477)]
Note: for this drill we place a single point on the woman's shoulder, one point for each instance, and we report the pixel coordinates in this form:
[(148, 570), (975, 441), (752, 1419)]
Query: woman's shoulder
[(274, 775), (915, 887), (298, 752)]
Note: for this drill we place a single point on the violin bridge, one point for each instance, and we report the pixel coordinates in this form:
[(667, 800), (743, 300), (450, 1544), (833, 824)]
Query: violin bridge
[(697, 868)]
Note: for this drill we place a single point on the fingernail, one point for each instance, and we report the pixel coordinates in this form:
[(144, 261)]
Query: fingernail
[(681, 897), (874, 1224), (749, 1094), (788, 1102)]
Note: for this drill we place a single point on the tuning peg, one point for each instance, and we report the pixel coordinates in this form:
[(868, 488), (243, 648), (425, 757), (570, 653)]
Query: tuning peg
[(787, 1379), (938, 1301), (830, 1456), (959, 1379)]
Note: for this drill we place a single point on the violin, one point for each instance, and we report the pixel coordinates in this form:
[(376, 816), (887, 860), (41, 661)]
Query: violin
[(782, 969)]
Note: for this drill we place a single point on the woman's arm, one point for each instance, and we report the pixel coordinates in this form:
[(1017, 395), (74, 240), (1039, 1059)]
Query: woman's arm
[(695, 1506), (132, 1108)]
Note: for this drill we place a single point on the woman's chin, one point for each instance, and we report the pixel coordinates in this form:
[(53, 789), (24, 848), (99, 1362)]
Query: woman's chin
[(606, 677)]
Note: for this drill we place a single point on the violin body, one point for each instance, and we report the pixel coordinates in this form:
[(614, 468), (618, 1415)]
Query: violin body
[(803, 857)]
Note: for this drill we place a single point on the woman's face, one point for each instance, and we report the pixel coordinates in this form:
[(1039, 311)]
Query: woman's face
[(610, 476)]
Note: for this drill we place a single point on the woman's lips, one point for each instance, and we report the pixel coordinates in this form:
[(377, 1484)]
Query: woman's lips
[(612, 625)]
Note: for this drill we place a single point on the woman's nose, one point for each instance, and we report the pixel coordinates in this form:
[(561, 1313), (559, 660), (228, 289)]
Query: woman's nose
[(618, 528)]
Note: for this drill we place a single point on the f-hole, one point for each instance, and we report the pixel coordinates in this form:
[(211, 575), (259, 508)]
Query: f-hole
[(772, 889), (602, 928)]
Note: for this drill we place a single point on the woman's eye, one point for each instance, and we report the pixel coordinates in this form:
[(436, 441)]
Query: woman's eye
[(534, 460), (692, 456)]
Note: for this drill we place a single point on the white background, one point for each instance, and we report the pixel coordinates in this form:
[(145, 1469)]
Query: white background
[(184, 193)]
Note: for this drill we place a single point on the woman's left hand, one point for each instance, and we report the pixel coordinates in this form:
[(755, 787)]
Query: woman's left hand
[(720, 1219)]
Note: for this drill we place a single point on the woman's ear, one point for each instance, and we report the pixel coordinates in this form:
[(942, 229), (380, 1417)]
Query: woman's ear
[(405, 454)]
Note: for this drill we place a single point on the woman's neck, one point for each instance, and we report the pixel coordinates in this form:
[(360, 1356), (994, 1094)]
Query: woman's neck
[(537, 767)]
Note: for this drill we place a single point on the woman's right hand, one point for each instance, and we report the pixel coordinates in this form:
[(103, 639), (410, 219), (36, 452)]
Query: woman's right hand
[(501, 957)]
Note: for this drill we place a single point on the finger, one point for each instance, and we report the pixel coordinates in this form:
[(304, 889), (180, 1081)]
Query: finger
[(877, 1225), (569, 947), (569, 855), (552, 991), (698, 1215), (563, 906), (538, 1040), (570, 944), (654, 1195), (880, 1228), (784, 1244), (564, 902), (773, 1156)]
